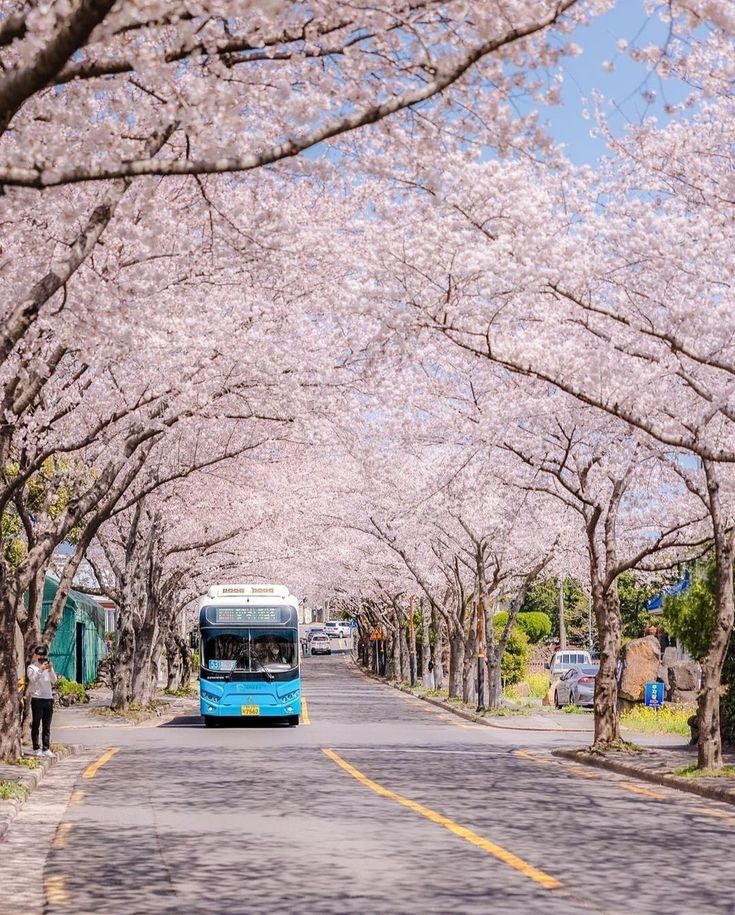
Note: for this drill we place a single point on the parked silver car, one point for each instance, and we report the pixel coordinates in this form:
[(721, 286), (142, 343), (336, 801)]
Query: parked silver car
[(577, 686)]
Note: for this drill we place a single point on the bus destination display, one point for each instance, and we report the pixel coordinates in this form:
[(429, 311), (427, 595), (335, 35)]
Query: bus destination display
[(247, 615)]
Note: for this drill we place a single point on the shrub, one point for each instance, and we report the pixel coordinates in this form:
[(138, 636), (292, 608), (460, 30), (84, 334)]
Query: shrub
[(514, 662), (535, 624), (70, 692)]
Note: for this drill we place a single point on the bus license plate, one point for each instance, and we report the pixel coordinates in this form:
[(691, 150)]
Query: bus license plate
[(249, 709)]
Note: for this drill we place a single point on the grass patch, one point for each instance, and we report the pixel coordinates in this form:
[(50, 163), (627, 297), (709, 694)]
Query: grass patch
[(694, 772), (617, 746), (574, 710), (12, 791), (506, 712), (135, 713), (671, 719), (537, 685), (30, 762)]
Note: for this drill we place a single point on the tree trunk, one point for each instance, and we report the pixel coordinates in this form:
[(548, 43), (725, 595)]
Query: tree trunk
[(10, 713), (607, 715), (143, 684), (494, 679), (469, 669), (456, 665), (426, 645), (121, 671), (405, 655), (438, 656), (709, 750)]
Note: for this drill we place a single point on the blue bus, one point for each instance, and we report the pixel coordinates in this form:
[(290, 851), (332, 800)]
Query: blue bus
[(249, 654)]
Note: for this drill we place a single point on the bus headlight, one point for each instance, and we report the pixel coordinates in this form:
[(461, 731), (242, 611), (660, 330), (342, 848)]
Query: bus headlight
[(289, 697)]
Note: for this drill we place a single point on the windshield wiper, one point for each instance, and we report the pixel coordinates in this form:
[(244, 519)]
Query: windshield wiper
[(268, 675)]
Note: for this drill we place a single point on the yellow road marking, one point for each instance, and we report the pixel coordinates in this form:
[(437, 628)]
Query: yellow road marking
[(92, 769), (304, 711), (637, 789), (56, 892), (582, 773), (502, 854), (537, 759), (720, 814), (62, 834), (76, 796)]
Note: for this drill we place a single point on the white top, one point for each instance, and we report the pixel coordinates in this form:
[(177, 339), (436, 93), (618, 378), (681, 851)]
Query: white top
[(40, 681)]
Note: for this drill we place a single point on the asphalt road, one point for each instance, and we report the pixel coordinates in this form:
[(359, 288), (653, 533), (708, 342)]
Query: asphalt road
[(381, 804)]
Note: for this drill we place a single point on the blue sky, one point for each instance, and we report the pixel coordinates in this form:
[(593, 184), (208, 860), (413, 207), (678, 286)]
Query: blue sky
[(624, 86)]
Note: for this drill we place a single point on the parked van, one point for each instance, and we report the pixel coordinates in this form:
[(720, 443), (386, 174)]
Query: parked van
[(562, 661)]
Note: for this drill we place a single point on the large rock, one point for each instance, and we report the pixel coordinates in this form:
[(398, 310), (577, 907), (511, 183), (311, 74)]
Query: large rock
[(683, 676), (641, 659), (684, 696)]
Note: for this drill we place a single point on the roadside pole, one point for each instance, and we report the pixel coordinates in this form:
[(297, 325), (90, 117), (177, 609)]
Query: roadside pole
[(562, 621), (480, 654), (411, 643)]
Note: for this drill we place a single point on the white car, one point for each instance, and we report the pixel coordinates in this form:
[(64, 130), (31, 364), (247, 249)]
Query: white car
[(337, 628), (562, 661), (320, 644)]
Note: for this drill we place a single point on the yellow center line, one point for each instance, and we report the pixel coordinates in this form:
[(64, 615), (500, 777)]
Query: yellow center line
[(502, 854), (62, 834), (637, 789), (304, 711), (76, 796), (55, 888), (92, 769)]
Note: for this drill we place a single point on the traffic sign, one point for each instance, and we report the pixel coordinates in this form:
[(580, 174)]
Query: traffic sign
[(655, 694), (376, 636)]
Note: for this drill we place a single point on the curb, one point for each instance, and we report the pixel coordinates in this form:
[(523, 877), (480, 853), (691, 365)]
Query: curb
[(665, 779), (30, 779), (461, 713)]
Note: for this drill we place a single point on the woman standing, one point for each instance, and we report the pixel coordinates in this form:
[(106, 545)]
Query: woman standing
[(41, 677)]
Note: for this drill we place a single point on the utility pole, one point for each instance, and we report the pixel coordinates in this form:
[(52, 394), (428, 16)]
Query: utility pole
[(480, 653), (411, 643), (562, 625)]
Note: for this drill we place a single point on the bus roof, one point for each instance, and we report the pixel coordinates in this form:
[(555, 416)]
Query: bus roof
[(250, 590)]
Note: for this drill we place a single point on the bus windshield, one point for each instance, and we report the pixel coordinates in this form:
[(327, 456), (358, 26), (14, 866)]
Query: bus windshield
[(249, 650)]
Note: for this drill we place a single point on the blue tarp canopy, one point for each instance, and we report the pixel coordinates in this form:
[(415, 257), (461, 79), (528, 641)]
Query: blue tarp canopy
[(657, 602)]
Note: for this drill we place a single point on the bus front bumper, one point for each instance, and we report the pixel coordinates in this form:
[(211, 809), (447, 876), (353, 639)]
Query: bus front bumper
[(262, 706)]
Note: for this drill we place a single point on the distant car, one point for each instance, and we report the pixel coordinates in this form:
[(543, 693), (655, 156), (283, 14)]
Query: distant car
[(320, 644), (315, 630), (577, 686), (337, 628), (562, 661)]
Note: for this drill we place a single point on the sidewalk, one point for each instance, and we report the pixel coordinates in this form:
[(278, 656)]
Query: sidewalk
[(28, 780), (658, 765)]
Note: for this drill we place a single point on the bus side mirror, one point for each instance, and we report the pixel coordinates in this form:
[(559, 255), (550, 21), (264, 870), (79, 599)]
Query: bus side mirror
[(547, 665), (193, 639)]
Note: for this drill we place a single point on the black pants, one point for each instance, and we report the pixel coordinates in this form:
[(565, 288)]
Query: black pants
[(42, 711)]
